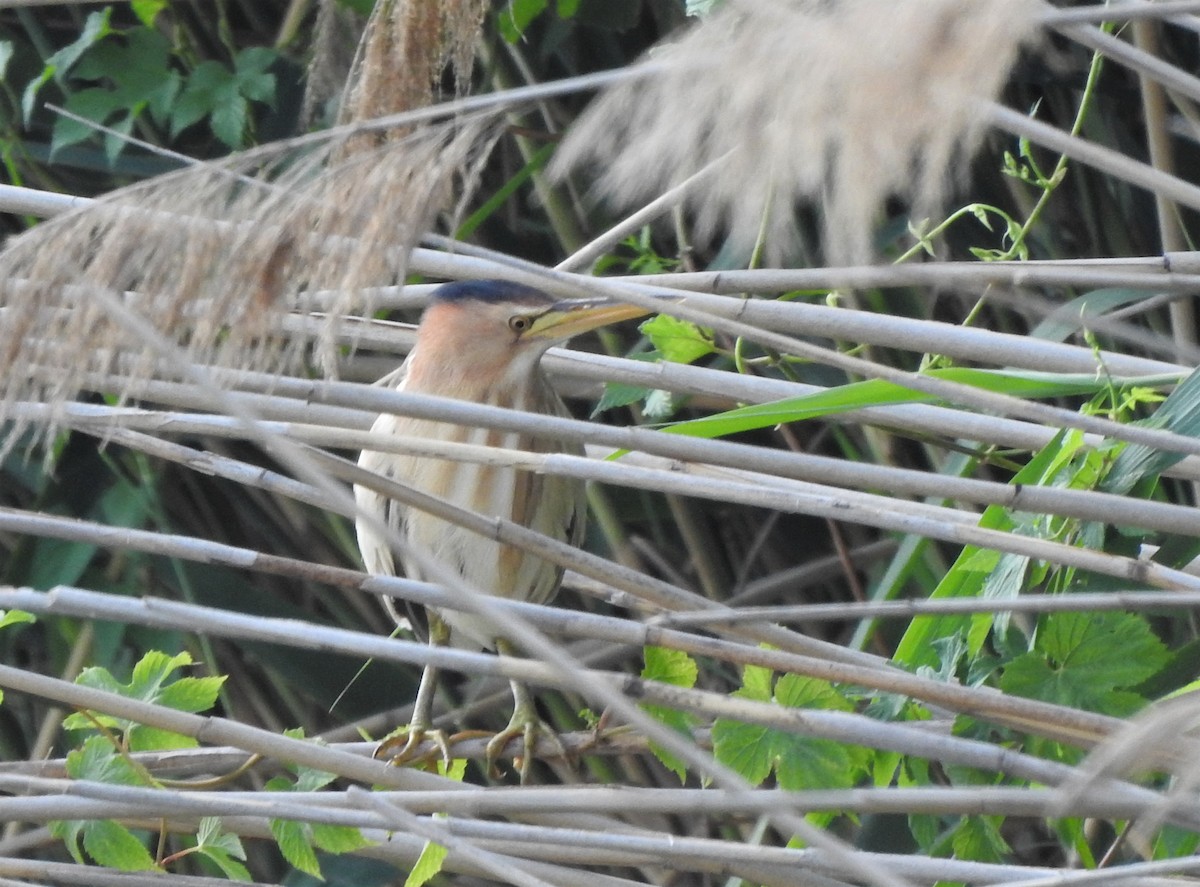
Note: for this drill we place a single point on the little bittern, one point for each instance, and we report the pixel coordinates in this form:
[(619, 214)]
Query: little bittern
[(481, 341)]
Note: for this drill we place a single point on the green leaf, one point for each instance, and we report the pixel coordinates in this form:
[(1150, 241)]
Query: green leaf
[(799, 762), (296, 846), (95, 28), (672, 667), (192, 694), (105, 841), (497, 200), (1087, 660), (15, 617), (747, 748), (338, 838), (94, 104), (97, 761), (978, 838), (224, 850), (876, 392), (518, 16), (966, 577), (1179, 413), (148, 684), (618, 394), (147, 10), (427, 866), (679, 341), (679, 670), (111, 844)]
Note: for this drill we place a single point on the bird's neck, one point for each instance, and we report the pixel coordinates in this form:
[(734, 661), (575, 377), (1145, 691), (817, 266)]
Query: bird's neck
[(473, 377)]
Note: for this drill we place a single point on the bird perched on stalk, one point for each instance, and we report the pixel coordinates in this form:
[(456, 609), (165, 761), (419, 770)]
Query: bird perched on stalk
[(480, 341)]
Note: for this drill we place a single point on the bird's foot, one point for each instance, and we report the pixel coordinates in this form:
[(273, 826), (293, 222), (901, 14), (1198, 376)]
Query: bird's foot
[(531, 729), (410, 739)]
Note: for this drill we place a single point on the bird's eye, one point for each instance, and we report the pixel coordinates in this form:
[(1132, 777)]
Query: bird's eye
[(520, 323)]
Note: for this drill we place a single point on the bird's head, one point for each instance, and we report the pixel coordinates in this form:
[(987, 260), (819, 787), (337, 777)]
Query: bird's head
[(494, 332)]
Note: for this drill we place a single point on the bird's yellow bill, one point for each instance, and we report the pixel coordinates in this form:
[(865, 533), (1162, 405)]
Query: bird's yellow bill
[(574, 316)]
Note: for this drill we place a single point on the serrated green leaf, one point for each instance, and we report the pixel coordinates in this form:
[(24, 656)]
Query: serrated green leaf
[(756, 683), (295, 846), (154, 668), (678, 669), (678, 341), (230, 867), (798, 691), (618, 394), (977, 838), (69, 831), (97, 761), (1087, 660), (111, 844), (747, 748), (679, 721), (427, 866), (192, 694), (229, 118), (338, 838), (672, 667), (142, 738)]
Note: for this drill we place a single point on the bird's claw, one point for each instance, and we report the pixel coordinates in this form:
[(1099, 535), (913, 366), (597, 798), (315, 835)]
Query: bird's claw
[(411, 738), (529, 729)]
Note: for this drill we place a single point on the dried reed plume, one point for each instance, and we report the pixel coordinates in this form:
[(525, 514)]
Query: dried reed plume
[(212, 257), (847, 102), (406, 47)]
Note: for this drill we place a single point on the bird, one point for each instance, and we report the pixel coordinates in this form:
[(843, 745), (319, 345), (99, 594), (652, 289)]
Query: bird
[(480, 341)]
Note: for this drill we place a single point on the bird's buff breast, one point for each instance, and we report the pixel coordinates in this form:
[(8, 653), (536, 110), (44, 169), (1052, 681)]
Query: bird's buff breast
[(535, 501)]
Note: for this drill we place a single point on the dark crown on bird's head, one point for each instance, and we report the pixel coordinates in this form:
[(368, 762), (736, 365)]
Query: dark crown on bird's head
[(489, 291)]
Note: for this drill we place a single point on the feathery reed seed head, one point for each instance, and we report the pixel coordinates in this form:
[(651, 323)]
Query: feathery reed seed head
[(211, 258), (842, 101)]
